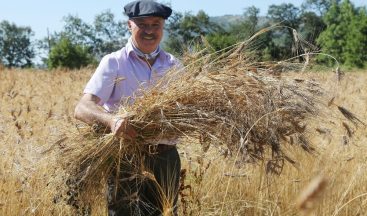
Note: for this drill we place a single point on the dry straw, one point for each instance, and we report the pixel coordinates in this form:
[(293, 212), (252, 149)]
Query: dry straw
[(309, 197), (225, 99)]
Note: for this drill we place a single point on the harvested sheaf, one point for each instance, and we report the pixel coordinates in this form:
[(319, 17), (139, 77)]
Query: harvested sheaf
[(233, 108), (225, 100)]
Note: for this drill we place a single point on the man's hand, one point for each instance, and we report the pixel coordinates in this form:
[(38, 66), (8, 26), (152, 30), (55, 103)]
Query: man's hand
[(88, 111), (120, 127)]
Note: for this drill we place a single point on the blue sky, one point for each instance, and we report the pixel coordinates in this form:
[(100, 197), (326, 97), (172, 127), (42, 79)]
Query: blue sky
[(41, 15)]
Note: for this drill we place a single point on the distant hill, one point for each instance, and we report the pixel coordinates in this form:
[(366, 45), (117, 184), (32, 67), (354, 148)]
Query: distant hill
[(226, 20)]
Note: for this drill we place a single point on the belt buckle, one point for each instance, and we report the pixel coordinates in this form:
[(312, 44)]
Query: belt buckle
[(153, 149)]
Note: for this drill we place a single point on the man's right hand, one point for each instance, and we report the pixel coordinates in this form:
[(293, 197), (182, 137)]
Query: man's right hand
[(88, 111), (120, 127)]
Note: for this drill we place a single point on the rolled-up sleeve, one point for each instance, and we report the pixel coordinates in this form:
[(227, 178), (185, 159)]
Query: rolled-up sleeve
[(103, 80)]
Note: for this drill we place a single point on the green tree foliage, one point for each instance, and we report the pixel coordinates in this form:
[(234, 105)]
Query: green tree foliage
[(283, 44), (109, 34), (78, 31), (320, 6), (345, 35), (186, 30), (104, 36), (172, 27), (248, 26), (287, 14), (65, 54), (355, 53), (332, 40), (251, 15), (311, 26), (15, 45), (220, 41), (297, 31)]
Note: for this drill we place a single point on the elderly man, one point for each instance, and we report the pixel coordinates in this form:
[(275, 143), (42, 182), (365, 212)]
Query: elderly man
[(137, 64)]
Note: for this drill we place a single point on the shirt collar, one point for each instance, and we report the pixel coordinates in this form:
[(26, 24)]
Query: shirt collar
[(133, 49)]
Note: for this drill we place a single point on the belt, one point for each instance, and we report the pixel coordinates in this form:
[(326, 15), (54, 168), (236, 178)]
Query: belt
[(159, 148)]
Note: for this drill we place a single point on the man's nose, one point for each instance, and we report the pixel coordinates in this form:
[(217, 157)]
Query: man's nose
[(149, 29)]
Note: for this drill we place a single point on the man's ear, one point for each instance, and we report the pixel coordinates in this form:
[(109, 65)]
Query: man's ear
[(129, 25)]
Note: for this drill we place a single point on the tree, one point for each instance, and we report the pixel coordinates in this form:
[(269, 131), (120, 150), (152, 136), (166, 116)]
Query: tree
[(347, 17), (311, 26), (244, 29), (341, 37), (104, 36), (287, 14), (187, 29), (320, 6), (109, 34), (283, 39), (251, 16), (219, 41), (355, 53), (173, 43), (238, 31), (333, 38), (65, 54), (15, 45)]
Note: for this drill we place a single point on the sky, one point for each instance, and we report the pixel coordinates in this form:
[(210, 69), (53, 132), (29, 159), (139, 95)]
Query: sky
[(41, 15)]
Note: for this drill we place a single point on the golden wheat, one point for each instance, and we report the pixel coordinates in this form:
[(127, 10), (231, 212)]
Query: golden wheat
[(33, 129)]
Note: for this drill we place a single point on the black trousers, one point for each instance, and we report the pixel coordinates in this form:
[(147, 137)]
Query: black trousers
[(149, 187)]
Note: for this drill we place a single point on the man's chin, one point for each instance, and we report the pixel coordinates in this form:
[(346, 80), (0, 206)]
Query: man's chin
[(149, 47)]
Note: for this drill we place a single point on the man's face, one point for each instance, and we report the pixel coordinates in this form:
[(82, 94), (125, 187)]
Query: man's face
[(146, 32)]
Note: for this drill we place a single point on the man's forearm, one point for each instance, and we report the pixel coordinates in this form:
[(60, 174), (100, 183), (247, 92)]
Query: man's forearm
[(91, 113), (88, 111)]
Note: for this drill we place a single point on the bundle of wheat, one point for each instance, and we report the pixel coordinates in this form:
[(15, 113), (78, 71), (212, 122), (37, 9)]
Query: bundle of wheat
[(222, 103)]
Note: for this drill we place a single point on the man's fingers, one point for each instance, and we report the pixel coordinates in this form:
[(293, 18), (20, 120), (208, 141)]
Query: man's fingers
[(131, 132), (117, 127), (124, 129)]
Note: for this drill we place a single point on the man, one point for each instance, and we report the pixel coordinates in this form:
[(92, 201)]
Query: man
[(117, 78)]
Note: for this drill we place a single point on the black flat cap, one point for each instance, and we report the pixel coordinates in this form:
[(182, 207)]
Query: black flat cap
[(145, 8)]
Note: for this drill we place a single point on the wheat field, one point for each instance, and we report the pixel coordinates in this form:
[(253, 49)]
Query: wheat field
[(36, 112)]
